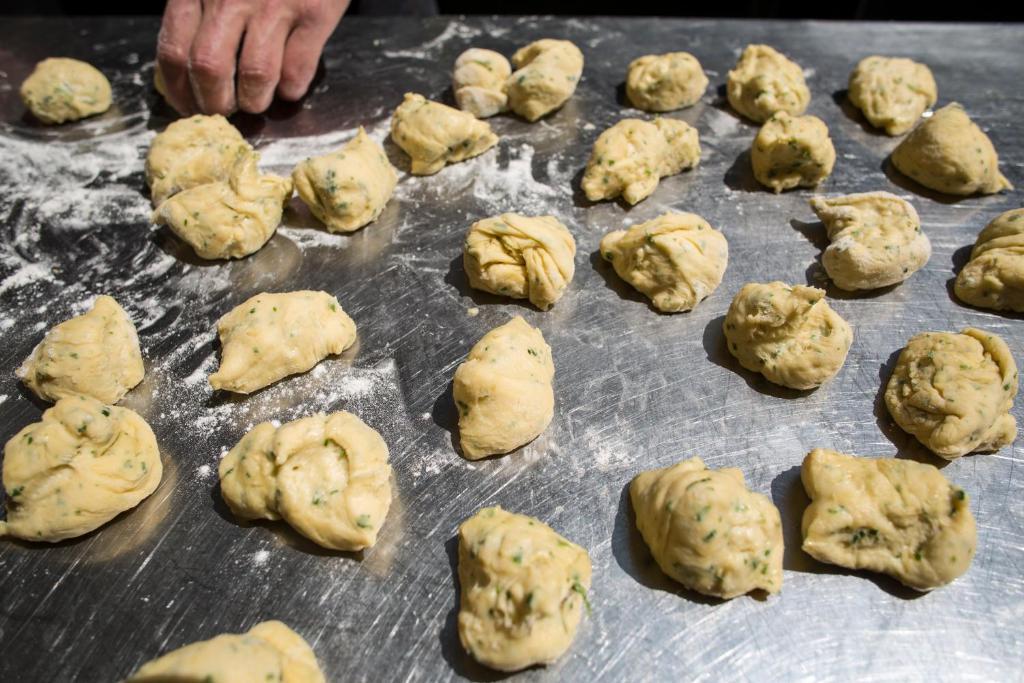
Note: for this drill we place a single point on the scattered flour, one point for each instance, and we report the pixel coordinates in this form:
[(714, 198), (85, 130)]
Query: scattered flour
[(260, 557), (431, 48)]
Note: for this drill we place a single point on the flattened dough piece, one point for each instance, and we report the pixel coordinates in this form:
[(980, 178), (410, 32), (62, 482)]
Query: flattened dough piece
[(522, 257), (676, 260), (503, 390), (994, 277), (61, 89), (792, 151), (77, 469), (523, 589), (479, 82), (876, 239), (949, 153), (547, 73), (665, 82), (954, 392), (892, 92), (788, 334), (95, 354), (764, 82), (434, 134), (633, 155), (897, 517), (271, 336)]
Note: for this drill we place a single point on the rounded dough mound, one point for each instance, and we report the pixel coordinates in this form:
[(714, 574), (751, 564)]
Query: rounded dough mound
[(764, 82), (434, 134), (77, 469), (665, 82), (876, 239), (503, 390), (792, 151), (707, 530), (954, 392), (547, 73), (788, 334), (994, 277), (892, 92), (633, 155), (61, 89), (520, 256), (949, 153), (898, 517), (524, 588), (95, 354), (676, 260), (479, 82)]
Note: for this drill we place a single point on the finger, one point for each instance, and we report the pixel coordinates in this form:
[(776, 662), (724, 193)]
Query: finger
[(259, 68), (214, 51), (173, 44), (301, 55)]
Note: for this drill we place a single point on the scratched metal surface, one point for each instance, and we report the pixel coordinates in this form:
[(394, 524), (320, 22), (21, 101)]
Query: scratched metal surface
[(635, 389)]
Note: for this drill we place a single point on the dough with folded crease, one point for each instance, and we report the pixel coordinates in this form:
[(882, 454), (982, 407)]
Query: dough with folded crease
[(994, 277), (892, 92), (547, 73), (480, 82), (434, 134), (764, 82)]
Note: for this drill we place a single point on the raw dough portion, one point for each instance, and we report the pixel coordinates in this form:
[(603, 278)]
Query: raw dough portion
[(792, 152), (954, 392), (327, 476), (229, 218), (61, 89), (95, 354), (633, 155), (764, 82), (788, 334), (898, 517), (82, 465), (676, 260), (270, 651), (348, 188), (665, 82), (434, 134), (949, 153), (892, 92), (503, 390), (876, 239), (522, 257), (994, 277), (479, 82), (523, 589), (707, 530), (271, 336), (547, 73)]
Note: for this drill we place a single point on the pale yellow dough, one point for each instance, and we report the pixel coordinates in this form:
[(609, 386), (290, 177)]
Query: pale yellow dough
[(876, 239), (327, 476), (676, 260), (524, 589), (788, 334), (503, 390), (434, 134), (633, 155), (547, 73), (665, 82), (954, 392), (271, 336), (994, 277), (523, 257), (892, 92), (792, 151), (480, 81), (897, 517), (61, 89), (764, 82), (95, 354), (85, 463)]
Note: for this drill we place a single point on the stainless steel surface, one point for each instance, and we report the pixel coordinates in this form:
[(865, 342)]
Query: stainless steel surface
[(635, 389)]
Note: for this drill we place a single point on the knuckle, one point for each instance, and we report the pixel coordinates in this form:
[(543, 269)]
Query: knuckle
[(208, 65)]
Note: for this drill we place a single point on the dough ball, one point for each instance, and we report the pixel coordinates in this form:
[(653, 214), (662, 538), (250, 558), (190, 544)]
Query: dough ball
[(524, 589), (547, 73), (707, 530), (792, 151), (479, 82), (633, 155), (190, 152), (892, 92), (82, 465), (229, 218), (503, 390), (897, 517), (994, 277), (676, 260), (522, 257), (434, 134), (272, 336), (61, 89), (665, 82), (949, 153), (788, 334), (876, 239), (954, 392), (95, 354), (765, 82)]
